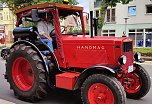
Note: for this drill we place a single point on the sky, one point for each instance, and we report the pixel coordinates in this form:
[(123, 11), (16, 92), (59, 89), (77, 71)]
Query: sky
[(85, 4)]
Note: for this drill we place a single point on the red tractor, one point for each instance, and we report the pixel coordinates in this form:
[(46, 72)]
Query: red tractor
[(101, 68)]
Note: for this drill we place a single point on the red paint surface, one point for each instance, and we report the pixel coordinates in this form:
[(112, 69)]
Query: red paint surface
[(100, 94), (2, 39), (134, 83), (83, 52), (23, 74), (66, 80)]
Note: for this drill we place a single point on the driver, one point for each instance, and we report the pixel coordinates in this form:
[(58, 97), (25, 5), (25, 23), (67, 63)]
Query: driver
[(44, 28)]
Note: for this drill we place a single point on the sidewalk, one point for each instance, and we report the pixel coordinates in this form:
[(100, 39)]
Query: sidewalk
[(146, 58), (5, 102)]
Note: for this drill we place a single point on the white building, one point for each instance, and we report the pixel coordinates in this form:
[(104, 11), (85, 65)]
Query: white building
[(138, 25)]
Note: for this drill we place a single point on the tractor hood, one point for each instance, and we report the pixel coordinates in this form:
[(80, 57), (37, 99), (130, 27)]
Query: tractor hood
[(97, 39), (85, 51)]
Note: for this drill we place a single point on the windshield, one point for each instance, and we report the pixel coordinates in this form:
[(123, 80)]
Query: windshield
[(70, 23)]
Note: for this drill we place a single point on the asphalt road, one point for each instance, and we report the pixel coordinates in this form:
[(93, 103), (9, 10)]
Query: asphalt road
[(60, 96)]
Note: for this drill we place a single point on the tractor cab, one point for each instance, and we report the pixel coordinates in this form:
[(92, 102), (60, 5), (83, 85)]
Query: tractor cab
[(67, 21)]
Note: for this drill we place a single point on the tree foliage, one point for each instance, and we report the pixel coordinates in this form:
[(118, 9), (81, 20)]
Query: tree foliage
[(114, 2), (18, 4), (104, 6)]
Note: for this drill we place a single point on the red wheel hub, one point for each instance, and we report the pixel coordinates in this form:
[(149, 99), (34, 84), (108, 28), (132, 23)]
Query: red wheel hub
[(100, 94), (23, 74), (133, 83)]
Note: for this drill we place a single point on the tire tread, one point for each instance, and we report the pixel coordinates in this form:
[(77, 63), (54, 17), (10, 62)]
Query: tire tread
[(42, 86)]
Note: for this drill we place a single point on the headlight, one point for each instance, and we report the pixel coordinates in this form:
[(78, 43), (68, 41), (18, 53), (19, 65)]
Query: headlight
[(122, 59), (137, 56)]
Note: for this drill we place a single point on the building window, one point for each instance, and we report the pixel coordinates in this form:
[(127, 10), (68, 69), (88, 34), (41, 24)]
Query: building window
[(137, 35), (132, 10), (113, 15), (141, 37), (148, 9), (105, 32), (97, 13), (97, 3), (1, 16), (2, 27), (110, 15), (148, 33), (4, 16), (1, 5), (111, 32), (7, 15), (108, 32)]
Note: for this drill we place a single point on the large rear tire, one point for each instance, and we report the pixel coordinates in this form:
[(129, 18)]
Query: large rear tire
[(26, 73), (102, 89), (139, 83)]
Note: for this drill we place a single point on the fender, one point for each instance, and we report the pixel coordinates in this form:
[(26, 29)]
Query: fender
[(137, 65), (41, 56), (92, 70)]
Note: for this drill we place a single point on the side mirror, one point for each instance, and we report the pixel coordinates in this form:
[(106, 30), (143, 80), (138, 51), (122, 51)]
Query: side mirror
[(34, 15)]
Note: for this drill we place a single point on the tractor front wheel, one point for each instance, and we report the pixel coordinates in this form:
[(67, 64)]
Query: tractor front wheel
[(102, 89), (138, 83), (26, 73)]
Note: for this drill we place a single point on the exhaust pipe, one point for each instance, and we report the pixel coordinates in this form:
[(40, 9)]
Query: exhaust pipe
[(95, 20), (91, 23)]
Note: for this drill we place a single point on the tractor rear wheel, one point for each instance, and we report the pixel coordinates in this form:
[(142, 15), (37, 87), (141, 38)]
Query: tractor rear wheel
[(102, 89), (138, 83), (26, 73)]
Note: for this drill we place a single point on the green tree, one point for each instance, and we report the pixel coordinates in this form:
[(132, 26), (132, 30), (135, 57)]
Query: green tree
[(73, 2), (103, 9), (18, 4)]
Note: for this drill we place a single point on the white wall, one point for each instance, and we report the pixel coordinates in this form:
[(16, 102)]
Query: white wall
[(140, 17), (122, 12)]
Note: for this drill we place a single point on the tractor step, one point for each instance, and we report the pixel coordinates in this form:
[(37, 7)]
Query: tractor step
[(66, 80)]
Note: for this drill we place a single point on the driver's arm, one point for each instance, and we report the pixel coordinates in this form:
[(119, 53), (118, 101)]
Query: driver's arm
[(47, 36)]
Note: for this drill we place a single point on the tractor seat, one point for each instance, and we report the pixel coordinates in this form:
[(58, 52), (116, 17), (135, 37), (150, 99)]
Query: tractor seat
[(32, 34), (23, 32)]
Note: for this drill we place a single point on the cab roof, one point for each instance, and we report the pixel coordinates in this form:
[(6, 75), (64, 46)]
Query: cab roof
[(50, 5)]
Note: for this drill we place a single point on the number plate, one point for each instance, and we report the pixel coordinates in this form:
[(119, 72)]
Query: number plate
[(130, 69)]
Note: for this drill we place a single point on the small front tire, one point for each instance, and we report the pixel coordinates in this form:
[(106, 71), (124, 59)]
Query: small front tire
[(102, 89), (139, 83)]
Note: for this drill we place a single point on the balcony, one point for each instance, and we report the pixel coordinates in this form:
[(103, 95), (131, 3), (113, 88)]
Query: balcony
[(97, 4)]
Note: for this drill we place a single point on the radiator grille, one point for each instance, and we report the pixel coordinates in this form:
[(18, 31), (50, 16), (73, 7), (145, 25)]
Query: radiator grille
[(127, 46)]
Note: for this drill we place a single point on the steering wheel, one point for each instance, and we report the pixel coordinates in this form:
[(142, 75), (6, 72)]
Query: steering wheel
[(52, 33)]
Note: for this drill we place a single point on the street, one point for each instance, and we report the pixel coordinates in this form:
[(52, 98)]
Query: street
[(60, 96)]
